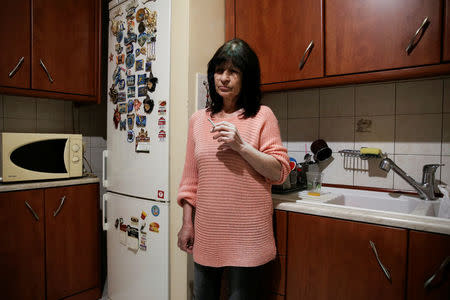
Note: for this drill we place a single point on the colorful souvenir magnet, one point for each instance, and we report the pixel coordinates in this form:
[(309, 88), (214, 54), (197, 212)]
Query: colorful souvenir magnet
[(141, 120), (130, 24), (131, 80), (123, 125), (122, 108), (154, 227), (119, 48), (148, 66), (143, 215), (134, 221), (122, 97), (141, 26), (137, 52), (120, 59), (160, 194), (161, 122), (119, 36), (162, 108), (142, 91), (155, 210), (130, 122), (130, 60), (142, 141), (142, 79), (130, 9), (113, 94), (115, 26), (121, 84), (111, 57), (148, 105), (143, 242), (131, 38), (131, 92), (151, 83), (139, 65), (162, 135), (129, 48), (116, 117), (142, 38), (130, 106), (143, 51), (140, 15), (130, 136), (137, 104)]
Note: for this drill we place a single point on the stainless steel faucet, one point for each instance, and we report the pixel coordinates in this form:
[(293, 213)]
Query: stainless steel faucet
[(425, 189)]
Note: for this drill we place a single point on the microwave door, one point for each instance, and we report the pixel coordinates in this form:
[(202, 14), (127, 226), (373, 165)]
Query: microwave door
[(46, 156)]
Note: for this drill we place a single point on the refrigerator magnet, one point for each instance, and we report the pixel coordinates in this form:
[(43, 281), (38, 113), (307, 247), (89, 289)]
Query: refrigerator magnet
[(131, 92), (162, 135), (122, 97), (131, 38), (141, 26), (131, 80), (133, 238), (148, 105), (137, 52), (134, 221), (161, 123), (119, 49), (143, 215), (155, 210), (119, 36), (130, 24), (120, 59), (141, 120), (142, 38), (142, 79), (142, 91), (113, 94), (130, 121), (139, 65), (122, 108), (111, 57), (151, 83), (154, 227), (162, 108), (143, 242), (130, 48), (129, 61), (116, 117), (130, 9), (142, 144), (121, 84), (123, 125), (160, 194), (137, 104), (130, 136), (123, 234), (143, 51), (130, 106)]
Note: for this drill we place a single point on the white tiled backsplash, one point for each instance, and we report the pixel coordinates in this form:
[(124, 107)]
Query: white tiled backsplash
[(27, 114), (409, 120)]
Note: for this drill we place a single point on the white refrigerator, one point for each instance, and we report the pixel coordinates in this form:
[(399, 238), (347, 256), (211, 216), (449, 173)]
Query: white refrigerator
[(136, 162)]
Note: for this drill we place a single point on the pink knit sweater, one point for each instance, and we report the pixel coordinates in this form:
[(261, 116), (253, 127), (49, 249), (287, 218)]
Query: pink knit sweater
[(233, 217)]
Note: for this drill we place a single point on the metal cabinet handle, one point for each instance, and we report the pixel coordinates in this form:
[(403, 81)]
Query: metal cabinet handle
[(46, 71), (16, 68), (306, 55), (386, 272), (60, 206), (442, 267), (417, 36), (32, 211)]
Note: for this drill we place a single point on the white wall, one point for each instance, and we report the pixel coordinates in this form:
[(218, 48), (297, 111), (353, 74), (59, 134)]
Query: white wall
[(410, 121)]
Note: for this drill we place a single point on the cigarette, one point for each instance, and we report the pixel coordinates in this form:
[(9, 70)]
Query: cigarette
[(214, 125)]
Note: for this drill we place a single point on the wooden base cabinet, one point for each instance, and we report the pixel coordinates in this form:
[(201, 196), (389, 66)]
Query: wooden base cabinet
[(51, 243), (333, 259)]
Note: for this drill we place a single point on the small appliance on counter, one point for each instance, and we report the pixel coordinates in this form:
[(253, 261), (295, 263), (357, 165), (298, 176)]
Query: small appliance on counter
[(297, 179), (40, 156)]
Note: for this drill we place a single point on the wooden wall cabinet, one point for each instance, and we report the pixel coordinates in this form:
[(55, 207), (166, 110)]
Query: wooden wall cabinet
[(355, 41), (52, 48), (55, 253)]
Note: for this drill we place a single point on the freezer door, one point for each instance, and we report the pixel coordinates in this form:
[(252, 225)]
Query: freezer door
[(138, 252), (143, 171)]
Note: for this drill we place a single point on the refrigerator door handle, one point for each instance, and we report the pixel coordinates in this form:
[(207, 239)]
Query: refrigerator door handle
[(104, 169), (104, 213)]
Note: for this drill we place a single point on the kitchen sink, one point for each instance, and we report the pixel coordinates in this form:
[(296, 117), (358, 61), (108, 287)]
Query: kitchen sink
[(399, 203)]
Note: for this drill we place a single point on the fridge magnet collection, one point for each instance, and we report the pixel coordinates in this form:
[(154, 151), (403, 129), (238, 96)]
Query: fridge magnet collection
[(134, 235), (134, 53)]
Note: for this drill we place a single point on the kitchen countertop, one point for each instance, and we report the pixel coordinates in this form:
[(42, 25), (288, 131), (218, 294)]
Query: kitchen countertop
[(415, 220), (20, 186)]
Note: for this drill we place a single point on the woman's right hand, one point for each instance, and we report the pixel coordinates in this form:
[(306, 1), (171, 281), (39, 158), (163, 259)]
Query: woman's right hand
[(186, 238)]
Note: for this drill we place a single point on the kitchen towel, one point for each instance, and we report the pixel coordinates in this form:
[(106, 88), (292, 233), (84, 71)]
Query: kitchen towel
[(444, 208)]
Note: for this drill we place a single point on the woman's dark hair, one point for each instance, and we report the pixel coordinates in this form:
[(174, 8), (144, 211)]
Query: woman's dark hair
[(241, 56)]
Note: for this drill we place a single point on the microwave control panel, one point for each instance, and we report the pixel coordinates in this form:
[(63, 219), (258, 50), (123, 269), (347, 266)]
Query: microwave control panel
[(76, 156)]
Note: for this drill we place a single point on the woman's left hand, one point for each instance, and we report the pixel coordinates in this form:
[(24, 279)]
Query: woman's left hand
[(228, 136)]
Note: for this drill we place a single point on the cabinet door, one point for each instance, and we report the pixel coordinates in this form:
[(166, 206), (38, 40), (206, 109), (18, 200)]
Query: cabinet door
[(427, 253), (15, 43), (64, 34), (369, 35), (72, 240), (280, 32), (332, 259), (446, 35), (22, 245)]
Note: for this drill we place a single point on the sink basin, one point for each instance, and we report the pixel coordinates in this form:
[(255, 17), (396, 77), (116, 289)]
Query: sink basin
[(377, 201)]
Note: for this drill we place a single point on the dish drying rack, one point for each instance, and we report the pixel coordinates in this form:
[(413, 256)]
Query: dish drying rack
[(357, 153)]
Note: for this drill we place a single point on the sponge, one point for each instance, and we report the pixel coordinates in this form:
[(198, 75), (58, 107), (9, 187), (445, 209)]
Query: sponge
[(370, 151)]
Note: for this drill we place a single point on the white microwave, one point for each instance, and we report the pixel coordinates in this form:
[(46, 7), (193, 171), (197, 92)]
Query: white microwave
[(39, 156)]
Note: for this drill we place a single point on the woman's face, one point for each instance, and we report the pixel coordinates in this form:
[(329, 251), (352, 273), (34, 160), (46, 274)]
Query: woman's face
[(228, 81)]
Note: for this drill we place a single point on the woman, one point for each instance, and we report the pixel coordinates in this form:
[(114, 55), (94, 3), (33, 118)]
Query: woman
[(234, 154)]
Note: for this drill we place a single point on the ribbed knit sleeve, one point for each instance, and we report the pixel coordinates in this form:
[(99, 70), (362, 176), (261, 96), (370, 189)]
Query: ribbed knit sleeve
[(270, 143), (189, 180)]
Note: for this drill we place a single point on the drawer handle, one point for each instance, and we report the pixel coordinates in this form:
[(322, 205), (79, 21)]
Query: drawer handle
[(441, 269), (32, 211), (417, 36), (46, 71), (306, 55), (386, 272), (60, 206), (16, 68)]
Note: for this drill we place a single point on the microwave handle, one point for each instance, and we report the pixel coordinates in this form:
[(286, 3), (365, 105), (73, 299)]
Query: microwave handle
[(104, 169), (104, 213)]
